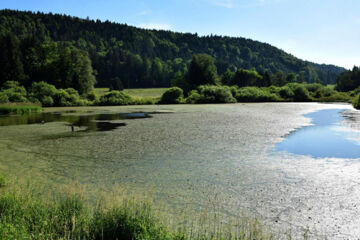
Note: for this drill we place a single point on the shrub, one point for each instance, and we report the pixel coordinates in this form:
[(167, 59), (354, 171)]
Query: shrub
[(193, 97), (172, 95), (115, 98), (92, 96), (286, 93), (13, 92), (313, 87), (356, 102), (336, 97), (47, 101), (255, 94), (68, 97), (301, 94), (40, 89), (215, 94), (4, 97)]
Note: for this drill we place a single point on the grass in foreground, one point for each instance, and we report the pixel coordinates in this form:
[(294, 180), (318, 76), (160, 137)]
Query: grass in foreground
[(25, 214), (19, 108)]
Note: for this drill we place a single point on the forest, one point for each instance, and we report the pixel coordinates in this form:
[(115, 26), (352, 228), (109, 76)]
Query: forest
[(121, 56)]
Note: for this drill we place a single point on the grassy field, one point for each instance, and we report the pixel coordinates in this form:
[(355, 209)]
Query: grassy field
[(137, 92), (146, 92)]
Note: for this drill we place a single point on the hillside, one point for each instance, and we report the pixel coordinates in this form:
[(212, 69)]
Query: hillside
[(134, 57)]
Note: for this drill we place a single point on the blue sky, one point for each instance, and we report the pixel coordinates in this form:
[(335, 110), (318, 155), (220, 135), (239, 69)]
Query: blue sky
[(323, 31)]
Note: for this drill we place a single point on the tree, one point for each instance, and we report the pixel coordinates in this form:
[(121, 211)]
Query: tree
[(202, 71), (243, 78), (291, 78), (10, 60)]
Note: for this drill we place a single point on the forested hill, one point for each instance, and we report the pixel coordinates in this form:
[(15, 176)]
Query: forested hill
[(134, 57)]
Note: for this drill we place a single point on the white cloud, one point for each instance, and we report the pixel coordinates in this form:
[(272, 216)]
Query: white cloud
[(156, 26)]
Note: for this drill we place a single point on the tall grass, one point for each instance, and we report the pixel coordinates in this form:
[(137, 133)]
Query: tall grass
[(19, 108), (28, 214)]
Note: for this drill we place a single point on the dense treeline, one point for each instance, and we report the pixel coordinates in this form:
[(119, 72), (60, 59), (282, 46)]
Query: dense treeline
[(202, 84), (58, 63), (125, 56), (348, 80)]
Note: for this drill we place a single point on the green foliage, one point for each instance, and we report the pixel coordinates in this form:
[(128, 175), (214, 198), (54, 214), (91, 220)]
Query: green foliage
[(254, 94), (92, 96), (12, 92), (43, 92), (336, 97), (243, 77), (356, 102), (202, 71), (172, 95), (215, 94), (286, 92), (301, 94), (348, 81), (140, 58), (193, 97), (115, 98)]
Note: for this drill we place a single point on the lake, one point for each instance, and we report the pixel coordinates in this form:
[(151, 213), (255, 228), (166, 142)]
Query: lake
[(231, 159)]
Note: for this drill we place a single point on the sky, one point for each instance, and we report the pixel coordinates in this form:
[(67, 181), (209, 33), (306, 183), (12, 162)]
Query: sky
[(322, 31)]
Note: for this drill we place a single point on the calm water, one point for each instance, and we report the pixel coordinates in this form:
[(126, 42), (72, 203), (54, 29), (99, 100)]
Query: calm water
[(213, 158), (88, 122), (324, 139)]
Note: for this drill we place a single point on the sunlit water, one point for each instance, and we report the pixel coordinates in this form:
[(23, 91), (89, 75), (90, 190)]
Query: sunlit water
[(324, 139), (216, 158)]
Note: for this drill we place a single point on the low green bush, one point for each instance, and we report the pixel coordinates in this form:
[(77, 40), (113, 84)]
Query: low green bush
[(336, 97), (115, 98), (255, 94), (356, 101), (286, 92), (215, 94), (301, 94), (193, 97), (172, 96)]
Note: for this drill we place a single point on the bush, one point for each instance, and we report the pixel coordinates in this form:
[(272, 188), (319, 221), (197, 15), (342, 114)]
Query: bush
[(215, 94), (313, 87), (4, 97), (286, 93), (47, 101), (356, 102), (13, 92), (92, 96), (301, 94), (115, 98), (255, 94), (68, 97), (172, 95), (194, 97), (40, 89)]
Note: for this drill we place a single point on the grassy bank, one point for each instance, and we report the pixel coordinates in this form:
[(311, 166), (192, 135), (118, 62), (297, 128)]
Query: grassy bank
[(19, 108), (27, 214)]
